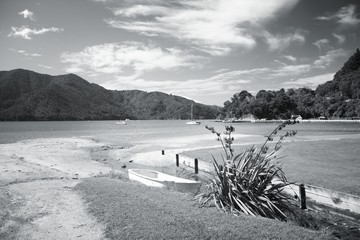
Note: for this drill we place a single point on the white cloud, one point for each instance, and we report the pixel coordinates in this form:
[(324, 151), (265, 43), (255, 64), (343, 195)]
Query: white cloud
[(141, 10), (45, 66), (283, 70), (214, 85), (290, 58), (25, 53), (327, 59), (221, 70), (346, 16), (226, 82), (26, 32), (322, 44), (74, 70), (128, 56), (322, 62), (27, 14), (239, 75), (311, 82), (212, 26), (290, 70), (340, 38), (282, 42)]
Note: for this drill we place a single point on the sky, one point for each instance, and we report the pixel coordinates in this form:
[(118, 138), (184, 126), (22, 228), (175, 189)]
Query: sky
[(204, 50)]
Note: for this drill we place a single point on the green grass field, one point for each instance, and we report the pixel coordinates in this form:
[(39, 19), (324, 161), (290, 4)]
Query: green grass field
[(133, 211)]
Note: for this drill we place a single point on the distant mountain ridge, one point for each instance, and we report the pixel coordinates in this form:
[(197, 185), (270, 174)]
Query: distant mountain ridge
[(27, 95)]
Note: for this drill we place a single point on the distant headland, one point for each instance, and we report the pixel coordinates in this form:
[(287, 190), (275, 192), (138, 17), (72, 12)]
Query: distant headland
[(335, 99)]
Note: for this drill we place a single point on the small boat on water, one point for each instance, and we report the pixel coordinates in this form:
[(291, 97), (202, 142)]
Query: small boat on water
[(192, 122), (121, 122), (158, 179)]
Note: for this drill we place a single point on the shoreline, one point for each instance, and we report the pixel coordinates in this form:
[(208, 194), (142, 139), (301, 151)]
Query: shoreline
[(185, 120), (53, 157), (300, 121)]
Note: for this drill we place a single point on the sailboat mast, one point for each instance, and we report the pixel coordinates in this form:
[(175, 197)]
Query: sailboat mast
[(192, 122), (191, 114)]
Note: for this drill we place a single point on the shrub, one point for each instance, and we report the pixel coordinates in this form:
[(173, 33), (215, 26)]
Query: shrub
[(250, 182)]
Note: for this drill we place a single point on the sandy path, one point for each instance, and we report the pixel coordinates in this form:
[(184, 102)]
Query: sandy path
[(50, 209), (38, 177)]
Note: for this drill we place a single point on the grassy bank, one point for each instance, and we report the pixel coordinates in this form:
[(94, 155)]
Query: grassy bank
[(132, 211)]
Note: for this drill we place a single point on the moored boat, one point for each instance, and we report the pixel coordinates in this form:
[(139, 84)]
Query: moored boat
[(121, 122), (158, 179), (193, 122)]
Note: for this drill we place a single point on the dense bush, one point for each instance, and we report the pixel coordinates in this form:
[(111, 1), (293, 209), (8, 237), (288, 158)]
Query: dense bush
[(329, 99)]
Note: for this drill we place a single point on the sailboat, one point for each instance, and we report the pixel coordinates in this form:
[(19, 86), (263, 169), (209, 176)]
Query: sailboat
[(192, 122)]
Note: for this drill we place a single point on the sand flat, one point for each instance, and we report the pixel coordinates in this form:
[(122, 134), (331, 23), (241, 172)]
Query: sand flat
[(68, 156), (38, 177)]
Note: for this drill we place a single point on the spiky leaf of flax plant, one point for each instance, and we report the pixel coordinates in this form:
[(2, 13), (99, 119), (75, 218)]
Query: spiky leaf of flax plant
[(250, 182)]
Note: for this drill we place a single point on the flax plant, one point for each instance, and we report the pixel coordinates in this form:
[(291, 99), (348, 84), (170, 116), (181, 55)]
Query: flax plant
[(250, 182)]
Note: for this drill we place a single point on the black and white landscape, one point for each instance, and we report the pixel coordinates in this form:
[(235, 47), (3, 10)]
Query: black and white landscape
[(179, 119)]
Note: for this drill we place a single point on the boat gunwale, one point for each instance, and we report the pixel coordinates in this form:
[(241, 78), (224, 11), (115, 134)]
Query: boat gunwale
[(181, 180)]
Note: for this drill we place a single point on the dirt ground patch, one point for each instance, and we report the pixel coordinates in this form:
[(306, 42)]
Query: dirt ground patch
[(37, 199), (49, 209)]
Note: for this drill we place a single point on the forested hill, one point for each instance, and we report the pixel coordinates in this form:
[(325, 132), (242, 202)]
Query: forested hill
[(339, 98), (27, 95)]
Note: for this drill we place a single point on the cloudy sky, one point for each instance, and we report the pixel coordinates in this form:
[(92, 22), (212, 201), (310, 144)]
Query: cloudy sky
[(205, 50)]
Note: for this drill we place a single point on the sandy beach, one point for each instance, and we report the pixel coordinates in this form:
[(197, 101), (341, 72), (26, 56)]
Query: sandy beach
[(38, 177)]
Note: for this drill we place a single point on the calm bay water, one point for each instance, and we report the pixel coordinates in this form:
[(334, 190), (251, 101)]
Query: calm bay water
[(150, 130), (325, 154)]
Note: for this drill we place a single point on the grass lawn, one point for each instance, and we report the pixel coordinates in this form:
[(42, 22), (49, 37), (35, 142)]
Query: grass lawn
[(133, 211)]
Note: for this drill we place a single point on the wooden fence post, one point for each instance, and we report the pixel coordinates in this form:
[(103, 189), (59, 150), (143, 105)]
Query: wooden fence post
[(177, 160), (196, 166), (302, 196)]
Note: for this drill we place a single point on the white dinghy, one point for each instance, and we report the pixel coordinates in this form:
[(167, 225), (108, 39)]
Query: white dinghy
[(158, 179)]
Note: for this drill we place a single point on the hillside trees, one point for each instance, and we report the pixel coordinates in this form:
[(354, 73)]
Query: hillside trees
[(339, 98), (27, 95)]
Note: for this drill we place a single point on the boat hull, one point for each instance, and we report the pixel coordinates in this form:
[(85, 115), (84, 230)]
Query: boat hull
[(193, 123), (161, 180)]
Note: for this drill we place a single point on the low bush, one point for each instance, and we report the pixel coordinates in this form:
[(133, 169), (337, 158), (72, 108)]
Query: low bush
[(251, 182)]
